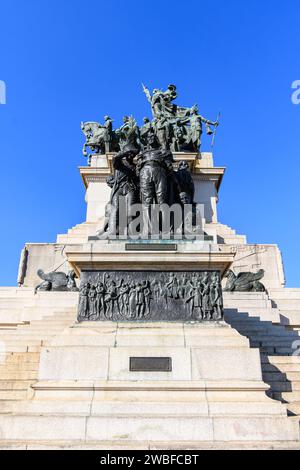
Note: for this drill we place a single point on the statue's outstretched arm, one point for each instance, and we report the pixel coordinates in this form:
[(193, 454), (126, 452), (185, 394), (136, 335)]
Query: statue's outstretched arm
[(147, 93), (207, 121)]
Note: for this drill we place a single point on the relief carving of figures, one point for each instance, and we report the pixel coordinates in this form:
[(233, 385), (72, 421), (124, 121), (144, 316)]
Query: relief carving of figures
[(152, 296)]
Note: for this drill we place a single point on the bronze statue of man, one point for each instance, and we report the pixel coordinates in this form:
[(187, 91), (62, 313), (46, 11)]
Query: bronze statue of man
[(129, 134), (125, 184), (146, 133), (154, 167), (108, 133)]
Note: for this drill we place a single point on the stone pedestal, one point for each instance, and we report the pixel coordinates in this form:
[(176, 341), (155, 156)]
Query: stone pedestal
[(86, 391)]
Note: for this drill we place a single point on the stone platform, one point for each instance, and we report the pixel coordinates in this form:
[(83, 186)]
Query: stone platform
[(77, 389)]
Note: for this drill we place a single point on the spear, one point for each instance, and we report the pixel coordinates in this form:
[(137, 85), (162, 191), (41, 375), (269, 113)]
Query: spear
[(215, 130)]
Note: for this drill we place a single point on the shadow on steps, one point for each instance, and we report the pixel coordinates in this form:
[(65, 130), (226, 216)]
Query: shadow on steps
[(276, 345)]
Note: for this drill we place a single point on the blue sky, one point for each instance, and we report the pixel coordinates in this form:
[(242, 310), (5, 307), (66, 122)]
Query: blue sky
[(67, 61)]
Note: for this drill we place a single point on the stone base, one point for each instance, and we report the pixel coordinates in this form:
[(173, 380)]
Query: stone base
[(87, 393)]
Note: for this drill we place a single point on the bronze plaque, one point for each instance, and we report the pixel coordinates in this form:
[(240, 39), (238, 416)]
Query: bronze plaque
[(150, 364)]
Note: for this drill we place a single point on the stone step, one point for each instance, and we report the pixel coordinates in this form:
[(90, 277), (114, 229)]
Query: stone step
[(147, 445), (275, 342), (266, 315), (282, 376), (21, 342), (245, 295), (289, 397), (290, 318), (256, 318), (280, 359), (103, 428), (264, 328), (13, 316), (281, 368), (71, 320), (21, 366), (40, 330), (14, 384), (26, 335), (285, 386), (278, 351), (12, 395), (22, 348), (118, 408), (285, 294), (294, 407), (17, 375), (243, 304), (26, 358), (264, 334), (287, 304)]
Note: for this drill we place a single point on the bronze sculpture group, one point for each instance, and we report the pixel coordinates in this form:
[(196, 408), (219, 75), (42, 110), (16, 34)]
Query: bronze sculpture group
[(172, 128)]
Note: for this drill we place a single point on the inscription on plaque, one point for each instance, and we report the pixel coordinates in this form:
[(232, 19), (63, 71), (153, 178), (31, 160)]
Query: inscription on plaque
[(150, 364), (150, 296)]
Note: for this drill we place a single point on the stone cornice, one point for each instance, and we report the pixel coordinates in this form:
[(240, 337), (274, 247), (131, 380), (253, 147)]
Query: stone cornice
[(97, 174)]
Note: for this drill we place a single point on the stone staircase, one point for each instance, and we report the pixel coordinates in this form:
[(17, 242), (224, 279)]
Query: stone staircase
[(20, 356), (288, 302), (262, 324), (77, 234), (227, 235)]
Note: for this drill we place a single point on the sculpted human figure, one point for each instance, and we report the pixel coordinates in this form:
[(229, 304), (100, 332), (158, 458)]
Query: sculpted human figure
[(129, 134), (100, 138), (172, 286), (161, 101), (154, 166), (185, 181), (205, 286), (108, 133), (194, 298), (179, 135), (124, 300), (132, 299), (100, 305), (148, 298), (140, 300), (163, 132), (147, 132), (111, 299), (125, 184), (216, 299), (196, 127), (83, 307), (92, 303)]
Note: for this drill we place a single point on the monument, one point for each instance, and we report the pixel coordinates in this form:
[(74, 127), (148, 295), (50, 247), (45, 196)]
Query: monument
[(154, 326)]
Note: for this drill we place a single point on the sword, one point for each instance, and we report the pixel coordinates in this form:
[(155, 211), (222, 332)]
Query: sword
[(215, 130)]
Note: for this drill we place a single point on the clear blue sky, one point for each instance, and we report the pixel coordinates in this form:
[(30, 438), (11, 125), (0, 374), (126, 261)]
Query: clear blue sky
[(66, 61)]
